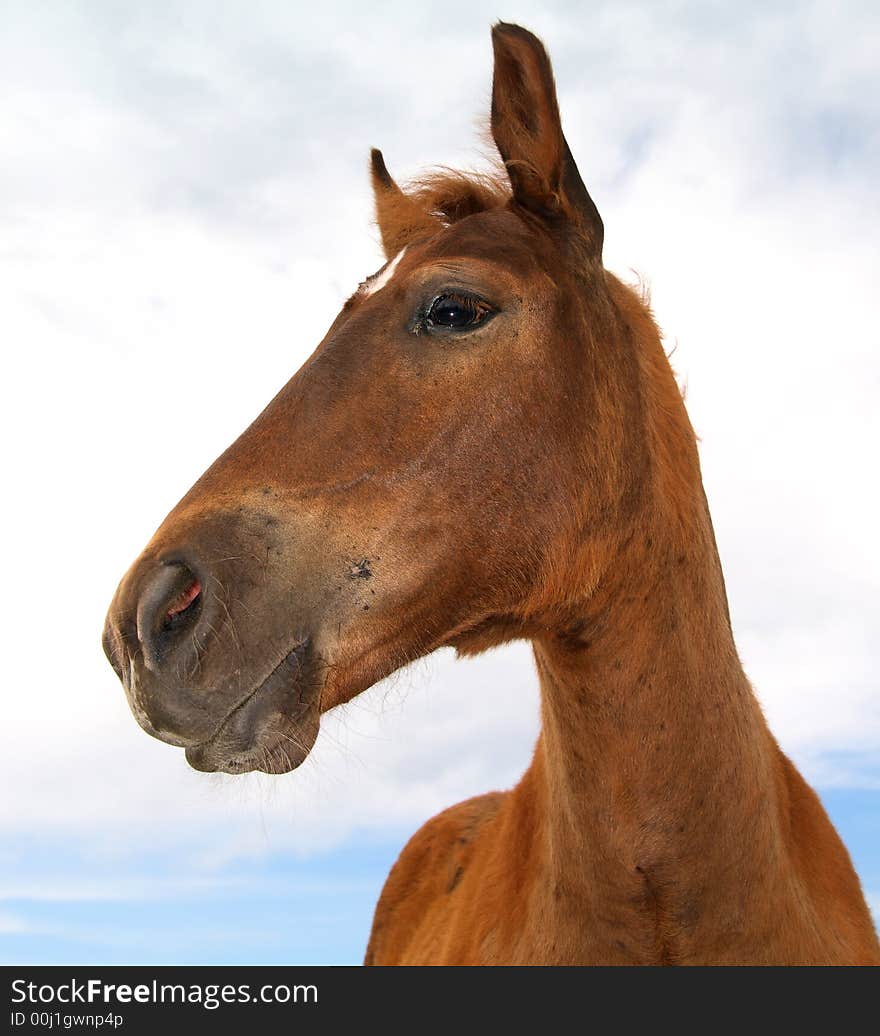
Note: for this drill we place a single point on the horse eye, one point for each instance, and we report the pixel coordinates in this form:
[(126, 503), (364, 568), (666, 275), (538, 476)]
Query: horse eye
[(456, 312)]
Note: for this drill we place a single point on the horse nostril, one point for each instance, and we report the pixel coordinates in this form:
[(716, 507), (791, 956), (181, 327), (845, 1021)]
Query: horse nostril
[(170, 605), (183, 606)]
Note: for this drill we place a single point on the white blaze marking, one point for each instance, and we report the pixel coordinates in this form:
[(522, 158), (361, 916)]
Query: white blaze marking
[(378, 281)]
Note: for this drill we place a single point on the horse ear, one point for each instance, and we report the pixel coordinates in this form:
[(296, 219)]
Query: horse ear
[(398, 217), (528, 133)]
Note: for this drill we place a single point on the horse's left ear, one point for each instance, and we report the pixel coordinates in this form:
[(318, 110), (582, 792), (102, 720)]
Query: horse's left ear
[(528, 132), (399, 217)]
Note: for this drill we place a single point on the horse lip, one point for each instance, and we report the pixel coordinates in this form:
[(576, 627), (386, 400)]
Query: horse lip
[(299, 650)]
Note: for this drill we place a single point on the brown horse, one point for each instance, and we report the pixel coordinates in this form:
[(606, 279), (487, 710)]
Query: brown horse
[(490, 444)]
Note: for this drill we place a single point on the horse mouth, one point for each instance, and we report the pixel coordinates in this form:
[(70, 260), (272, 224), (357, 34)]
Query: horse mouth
[(273, 728)]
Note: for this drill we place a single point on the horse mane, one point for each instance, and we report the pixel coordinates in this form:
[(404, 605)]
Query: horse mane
[(451, 195)]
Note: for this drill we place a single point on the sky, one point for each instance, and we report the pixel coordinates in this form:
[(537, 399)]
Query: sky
[(184, 206)]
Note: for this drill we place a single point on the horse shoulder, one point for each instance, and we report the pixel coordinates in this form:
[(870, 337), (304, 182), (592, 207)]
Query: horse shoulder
[(428, 870), (825, 869)]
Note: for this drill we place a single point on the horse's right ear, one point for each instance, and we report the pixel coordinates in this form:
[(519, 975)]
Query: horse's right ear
[(399, 218), (528, 132)]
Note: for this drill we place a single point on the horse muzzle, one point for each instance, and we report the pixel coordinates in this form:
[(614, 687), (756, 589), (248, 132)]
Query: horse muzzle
[(207, 665)]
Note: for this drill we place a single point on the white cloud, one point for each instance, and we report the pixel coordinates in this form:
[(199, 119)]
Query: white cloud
[(431, 736), (147, 887), (183, 213), (12, 925)]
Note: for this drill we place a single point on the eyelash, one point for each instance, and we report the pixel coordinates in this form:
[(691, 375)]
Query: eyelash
[(476, 308)]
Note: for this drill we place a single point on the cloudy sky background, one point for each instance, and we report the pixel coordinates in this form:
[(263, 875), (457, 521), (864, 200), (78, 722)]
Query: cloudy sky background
[(184, 206)]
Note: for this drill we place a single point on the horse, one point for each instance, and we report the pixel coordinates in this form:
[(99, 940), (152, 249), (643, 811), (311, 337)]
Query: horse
[(490, 444)]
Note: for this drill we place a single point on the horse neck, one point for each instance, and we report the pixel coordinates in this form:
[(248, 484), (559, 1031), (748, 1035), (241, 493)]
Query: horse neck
[(654, 746), (656, 763)]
